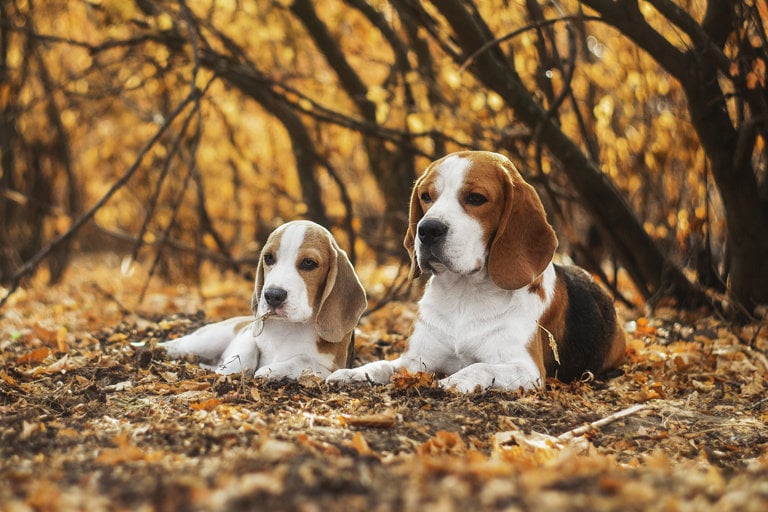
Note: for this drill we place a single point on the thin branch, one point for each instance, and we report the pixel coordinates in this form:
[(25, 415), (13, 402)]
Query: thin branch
[(166, 233), (677, 16), (511, 35), (348, 207)]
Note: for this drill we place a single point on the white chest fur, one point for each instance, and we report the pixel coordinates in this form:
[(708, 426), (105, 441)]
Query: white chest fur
[(467, 319)]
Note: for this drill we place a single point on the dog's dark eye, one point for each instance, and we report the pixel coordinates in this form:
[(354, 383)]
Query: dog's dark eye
[(475, 199), (426, 197), (308, 264), (269, 259)]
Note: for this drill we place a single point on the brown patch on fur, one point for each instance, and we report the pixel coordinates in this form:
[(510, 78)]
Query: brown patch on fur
[(317, 247), (536, 288), (342, 351)]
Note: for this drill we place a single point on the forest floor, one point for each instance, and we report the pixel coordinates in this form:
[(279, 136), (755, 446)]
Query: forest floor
[(90, 422)]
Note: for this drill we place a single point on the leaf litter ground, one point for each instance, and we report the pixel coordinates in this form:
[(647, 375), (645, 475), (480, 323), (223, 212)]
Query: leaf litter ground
[(89, 422)]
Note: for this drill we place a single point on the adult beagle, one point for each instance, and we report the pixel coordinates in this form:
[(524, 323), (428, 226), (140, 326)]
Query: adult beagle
[(306, 302), (496, 311)]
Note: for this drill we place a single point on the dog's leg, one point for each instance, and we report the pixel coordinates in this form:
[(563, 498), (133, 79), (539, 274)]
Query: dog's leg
[(208, 342), (294, 367), (241, 355), (377, 371)]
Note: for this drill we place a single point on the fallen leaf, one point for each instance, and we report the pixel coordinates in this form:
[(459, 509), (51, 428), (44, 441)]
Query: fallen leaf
[(125, 452), (404, 379), (360, 444), (206, 405), (36, 356), (443, 442)]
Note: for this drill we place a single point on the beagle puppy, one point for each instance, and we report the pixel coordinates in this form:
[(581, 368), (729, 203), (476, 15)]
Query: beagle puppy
[(496, 311), (306, 303)]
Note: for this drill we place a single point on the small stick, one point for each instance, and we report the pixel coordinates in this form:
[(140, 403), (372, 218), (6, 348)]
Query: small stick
[(578, 431), (258, 324)]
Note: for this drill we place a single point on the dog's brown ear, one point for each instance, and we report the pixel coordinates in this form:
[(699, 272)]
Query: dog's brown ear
[(343, 299), (415, 214), (524, 242), (258, 285)]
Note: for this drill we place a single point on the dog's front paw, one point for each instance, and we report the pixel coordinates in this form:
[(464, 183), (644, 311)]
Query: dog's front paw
[(462, 383), (276, 372), (484, 376), (378, 372), (347, 375)]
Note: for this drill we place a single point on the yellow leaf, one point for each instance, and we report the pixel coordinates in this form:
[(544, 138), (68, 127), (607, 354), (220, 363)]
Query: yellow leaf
[(164, 22)]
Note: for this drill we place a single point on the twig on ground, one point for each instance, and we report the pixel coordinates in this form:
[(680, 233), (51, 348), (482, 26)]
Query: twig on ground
[(579, 431)]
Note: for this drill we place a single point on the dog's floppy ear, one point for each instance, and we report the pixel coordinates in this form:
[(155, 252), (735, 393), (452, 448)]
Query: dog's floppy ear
[(524, 242), (343, 299), (258, 285), (414, 216)]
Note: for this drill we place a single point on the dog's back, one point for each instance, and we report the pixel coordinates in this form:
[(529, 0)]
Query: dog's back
[(592, 339)]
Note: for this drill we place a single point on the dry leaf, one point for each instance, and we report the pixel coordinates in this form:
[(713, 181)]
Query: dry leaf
[(36, 356), (404, 379), (206, 405)]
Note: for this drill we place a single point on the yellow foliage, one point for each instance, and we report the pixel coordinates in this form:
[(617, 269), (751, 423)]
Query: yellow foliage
[(111, 101)]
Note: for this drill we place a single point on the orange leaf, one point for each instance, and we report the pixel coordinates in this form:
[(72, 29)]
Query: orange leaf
[(36, 356), (125, 452), (443, 442), (8, 379), (385, 419), (406, 380), (206, 405)]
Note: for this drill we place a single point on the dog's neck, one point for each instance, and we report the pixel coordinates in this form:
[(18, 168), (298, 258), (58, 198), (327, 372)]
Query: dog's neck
[(468, 286), (282, 330), (477, 295)]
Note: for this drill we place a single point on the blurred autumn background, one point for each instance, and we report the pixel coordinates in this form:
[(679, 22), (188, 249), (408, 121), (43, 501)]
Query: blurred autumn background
[(148, 148), (180, 133)]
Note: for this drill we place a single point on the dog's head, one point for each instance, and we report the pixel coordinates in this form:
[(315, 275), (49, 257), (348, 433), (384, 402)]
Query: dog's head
[(472, 212), (304, 276)]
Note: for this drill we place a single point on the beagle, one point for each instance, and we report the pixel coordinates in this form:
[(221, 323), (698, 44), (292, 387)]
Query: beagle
[(306, 302), (496, 311)]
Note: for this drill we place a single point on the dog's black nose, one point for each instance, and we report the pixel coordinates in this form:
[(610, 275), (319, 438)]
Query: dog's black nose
[(275, 296), (430, 231)]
